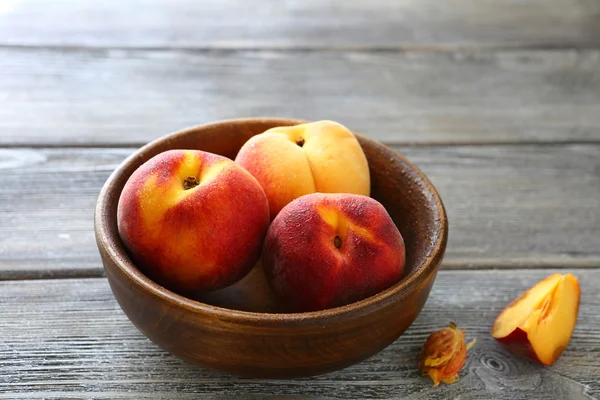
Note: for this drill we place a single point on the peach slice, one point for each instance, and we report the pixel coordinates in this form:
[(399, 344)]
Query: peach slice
[(539, 324)]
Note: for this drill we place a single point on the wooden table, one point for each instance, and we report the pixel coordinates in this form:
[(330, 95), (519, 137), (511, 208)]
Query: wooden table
[(498, 101)]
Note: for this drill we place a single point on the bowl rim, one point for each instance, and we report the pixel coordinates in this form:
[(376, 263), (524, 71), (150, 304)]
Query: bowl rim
[(115, 250)]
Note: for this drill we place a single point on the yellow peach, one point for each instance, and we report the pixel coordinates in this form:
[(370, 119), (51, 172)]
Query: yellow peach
[(292, 161)]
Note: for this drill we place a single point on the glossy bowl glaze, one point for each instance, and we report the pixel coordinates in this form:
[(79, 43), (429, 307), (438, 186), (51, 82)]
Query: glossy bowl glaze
[(243, 330)]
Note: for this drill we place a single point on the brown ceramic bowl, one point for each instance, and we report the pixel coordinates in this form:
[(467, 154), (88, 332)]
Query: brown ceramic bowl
[(218, 332)]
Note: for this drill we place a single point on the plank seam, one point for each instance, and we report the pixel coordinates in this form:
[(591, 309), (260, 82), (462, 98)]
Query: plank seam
[(136, 145), (545, 46)]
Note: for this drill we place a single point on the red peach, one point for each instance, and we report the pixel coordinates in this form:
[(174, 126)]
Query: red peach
[(192, 220), (327, 250)]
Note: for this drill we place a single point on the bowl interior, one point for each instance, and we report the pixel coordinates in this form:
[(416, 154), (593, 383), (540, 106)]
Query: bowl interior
[(404, 191)]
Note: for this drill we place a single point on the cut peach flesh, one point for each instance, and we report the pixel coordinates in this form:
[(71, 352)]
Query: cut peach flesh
[(546, 313)]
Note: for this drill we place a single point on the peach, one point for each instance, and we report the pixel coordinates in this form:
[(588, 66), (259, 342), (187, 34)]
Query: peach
[(292, 161), (327, 250), (539, 324), (192, 220)]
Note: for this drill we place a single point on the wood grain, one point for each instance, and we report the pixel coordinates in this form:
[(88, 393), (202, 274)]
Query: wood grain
[(301, 24), (68, 338), (127, 97), (509, 206)]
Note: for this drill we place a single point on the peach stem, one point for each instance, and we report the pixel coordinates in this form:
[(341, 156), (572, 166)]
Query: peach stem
[(190, 182), (337, 242)]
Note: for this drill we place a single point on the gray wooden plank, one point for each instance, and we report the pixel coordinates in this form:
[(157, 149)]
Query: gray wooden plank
[(127, 97), (509, 206), (68, 338), (46, 210), (306, 23)]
